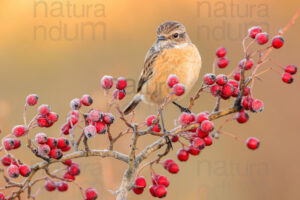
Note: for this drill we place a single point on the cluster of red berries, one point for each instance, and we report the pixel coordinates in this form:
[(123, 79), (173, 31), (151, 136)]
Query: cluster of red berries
[(73, 170), (152, 121), (51, 147), (46, 118), (97, 123), (222, 61), (15, 169), (11, 143), (51, 186), (177, 88), (121, 83)]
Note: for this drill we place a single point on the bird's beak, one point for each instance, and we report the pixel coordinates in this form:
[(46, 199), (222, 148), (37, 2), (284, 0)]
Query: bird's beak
[(161, 38)]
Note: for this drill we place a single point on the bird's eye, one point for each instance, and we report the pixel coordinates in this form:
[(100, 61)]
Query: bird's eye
[(175, 35)]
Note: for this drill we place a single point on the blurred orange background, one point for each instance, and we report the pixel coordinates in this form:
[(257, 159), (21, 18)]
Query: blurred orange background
[(38, 55)]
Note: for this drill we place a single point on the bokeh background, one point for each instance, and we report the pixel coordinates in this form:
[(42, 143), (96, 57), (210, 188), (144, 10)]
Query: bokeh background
[(46, 48)]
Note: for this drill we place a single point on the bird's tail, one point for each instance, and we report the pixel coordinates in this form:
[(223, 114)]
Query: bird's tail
[(132, 104)]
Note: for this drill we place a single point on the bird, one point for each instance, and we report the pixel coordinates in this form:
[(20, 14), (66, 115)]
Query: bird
[(172, 53)]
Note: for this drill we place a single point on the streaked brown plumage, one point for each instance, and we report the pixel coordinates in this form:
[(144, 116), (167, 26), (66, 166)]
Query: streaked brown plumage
[(172, 53)]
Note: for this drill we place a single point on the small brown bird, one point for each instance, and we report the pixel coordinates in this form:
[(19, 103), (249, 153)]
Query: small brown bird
[(172, 53)]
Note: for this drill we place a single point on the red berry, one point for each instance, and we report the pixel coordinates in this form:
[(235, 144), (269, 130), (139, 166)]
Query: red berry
[(95, 115), (50, 185), (2, 197), (221, 79), (25, 170), (13, 171), (140, 182), (121, 83), (119, 94), (252, 32), (52, 142), (19, 130), (65, 129), (200, 133), (68, 162), (62, 143), (262, 38), (208, 140), (237, 76), (91, 194), (74, 169), (152, 189), (236, 92), (107, 82), (182, 155), (137, 190), (242, 117), (161, 180), (292, 69), (32, 99), (42, 121), (68, 176), (149, 120), (75, 104), (287, 78), (245, 103), (227, 90), (100, 127), (198, 143), (172, 80), (44, 150), (222, 62), (178, 89), (10, 144), (207, 126), (193, 151), (221, 52), (277, 42), (234, 83), (174, 138), (56, 154), (89, 131), (252, 143), (257, 106), (201, 117), (62, 186), (108, 118), (216, 90), (173, 168), (156, 128), (6, 160), (160, 191), (52, 117), (186, 118), (167, 162), (86, 100), (67, 148), (246, 65), (44, 109), (247, 91), (209, 79)]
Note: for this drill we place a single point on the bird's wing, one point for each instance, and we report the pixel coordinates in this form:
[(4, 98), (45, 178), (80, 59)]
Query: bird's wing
[(148, 67)]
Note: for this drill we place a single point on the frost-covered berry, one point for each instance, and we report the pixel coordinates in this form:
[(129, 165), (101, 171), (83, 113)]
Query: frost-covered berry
[(193, 150), (222, 62), (95, 115), (137, 190), (62, 143), (56, 154), (89, 131), (201, 117), (44, 150), (6, 160), (62, 186), (178, 89), (221, 79), (107, 82), (242, 117), (277, 42), (100, 127), (291, 69), (253, 31), (74, 169), (172, 80), (182, 155), (209, 79), (207, 126), (86, 100), (108, 118), (13, 171), (68, 162), (91, 194), (173, 168), (10, 144), (150, 119), (262, 38), (252, 143), (24, 170), (216, 90), (246, 64), (52, 117), (161, 180), (140, 182), (156, 128), (227, 90), (208, 140), (44, 109), (68, 176), (42, 121), (75, 104), (19, 130), (119, 94), (2, 197), (50, 185), (186, 118), (287, 78), (200, 133), (52, 142), (65, 129), (221, 52), (121, 83), (257, 106), (32, 99), (160, 191), (198, 143), (41, 138)]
